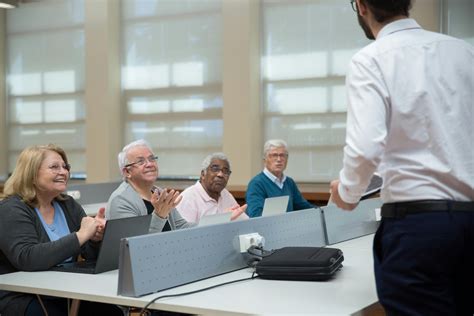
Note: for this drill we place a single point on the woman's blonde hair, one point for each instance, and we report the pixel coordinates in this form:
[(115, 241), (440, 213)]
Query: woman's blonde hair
[(25, 175)]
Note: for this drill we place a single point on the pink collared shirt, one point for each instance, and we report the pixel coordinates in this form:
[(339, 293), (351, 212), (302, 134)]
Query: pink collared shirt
[(196, 203)]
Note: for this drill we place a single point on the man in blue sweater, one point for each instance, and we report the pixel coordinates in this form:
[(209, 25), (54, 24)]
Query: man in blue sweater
[(271, 182)]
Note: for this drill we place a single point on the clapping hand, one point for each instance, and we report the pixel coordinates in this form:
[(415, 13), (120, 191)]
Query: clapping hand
[(164, 201), (100, 218), (89, 227), (237, 211)]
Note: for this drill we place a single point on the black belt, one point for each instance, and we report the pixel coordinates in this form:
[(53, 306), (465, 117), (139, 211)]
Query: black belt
[(399, 210)]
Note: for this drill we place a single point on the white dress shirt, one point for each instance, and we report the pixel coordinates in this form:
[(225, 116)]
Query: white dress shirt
[(410, 115), (274, 178)]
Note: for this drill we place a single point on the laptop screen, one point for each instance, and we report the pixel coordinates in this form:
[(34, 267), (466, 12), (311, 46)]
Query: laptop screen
[(115, 230), (275, 205), (108, 258), (215, 219)]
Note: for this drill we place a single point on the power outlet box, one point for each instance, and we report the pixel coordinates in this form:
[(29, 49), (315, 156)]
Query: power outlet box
[(248, 240)]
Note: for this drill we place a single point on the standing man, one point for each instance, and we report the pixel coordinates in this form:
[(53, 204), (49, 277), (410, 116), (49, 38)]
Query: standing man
[(410, 115), (209, 196), (271, 182)]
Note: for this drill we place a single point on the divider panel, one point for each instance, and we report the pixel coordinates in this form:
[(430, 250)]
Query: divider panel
[(155, 262)]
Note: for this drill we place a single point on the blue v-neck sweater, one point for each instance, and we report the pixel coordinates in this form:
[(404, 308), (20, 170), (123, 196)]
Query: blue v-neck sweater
[(261, 187)]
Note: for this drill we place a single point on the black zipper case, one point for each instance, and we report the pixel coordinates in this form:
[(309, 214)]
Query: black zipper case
[(301, 264)]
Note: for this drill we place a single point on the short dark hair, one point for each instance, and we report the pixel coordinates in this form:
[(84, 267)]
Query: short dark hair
[(384, 10)]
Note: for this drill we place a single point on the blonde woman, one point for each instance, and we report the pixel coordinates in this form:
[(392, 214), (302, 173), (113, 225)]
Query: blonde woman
[(41, 227)]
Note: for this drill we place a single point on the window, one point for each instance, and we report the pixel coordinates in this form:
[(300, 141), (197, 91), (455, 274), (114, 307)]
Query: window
[(171, 77), (45, 76), (458, 19), (307, 46)]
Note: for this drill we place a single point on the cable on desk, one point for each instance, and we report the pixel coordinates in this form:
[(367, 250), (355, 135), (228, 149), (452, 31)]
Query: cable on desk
[(142, 312)]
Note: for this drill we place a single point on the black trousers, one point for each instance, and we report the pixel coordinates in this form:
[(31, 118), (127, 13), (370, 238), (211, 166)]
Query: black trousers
[(424, 263)]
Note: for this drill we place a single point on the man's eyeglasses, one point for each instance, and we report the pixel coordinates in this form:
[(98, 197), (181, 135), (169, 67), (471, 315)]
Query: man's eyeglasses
[(142, 161), (216, 169), (354, 5), (56, 168), (275, 156)]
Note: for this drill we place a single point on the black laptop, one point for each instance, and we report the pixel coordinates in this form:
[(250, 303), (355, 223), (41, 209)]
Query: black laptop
[(374, 187), (108, 258)]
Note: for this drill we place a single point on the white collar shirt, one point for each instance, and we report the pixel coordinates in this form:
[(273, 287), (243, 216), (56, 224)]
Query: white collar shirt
[(274, 178), (410, 115)]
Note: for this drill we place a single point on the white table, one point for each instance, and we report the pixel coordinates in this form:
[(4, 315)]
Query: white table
[(351, 290)]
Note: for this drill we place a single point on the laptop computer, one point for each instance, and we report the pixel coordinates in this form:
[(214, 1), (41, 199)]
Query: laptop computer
[(108, 257), (374, 186), (215, 219), (275, 205)]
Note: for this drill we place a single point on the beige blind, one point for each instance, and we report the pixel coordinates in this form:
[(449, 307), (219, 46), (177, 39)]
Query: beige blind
[(171, 77), (459, 19), (45, 78), (307, 46)]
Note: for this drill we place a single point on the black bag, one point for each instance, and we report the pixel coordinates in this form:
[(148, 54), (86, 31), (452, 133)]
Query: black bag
[(300, 263)]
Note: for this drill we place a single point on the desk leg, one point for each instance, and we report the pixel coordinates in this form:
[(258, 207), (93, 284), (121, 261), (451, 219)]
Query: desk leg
[(74, 310)]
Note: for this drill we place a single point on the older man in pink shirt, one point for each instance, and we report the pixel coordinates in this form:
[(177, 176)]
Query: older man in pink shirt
[(209, 195)]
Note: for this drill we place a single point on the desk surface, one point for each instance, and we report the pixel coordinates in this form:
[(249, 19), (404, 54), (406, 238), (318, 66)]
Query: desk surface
[(351, 290)]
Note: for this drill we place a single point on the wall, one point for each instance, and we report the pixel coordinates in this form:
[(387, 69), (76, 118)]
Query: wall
[(427, 14)]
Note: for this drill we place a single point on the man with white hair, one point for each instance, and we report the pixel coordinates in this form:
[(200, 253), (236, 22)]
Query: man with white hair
[(137, 195), (271, 182), (208, 196)]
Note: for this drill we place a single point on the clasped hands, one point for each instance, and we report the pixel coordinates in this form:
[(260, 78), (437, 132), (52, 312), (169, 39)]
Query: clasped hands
[(92, 228)]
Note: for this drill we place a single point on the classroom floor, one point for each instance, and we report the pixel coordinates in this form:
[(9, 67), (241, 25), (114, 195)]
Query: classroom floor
[(373, 310)]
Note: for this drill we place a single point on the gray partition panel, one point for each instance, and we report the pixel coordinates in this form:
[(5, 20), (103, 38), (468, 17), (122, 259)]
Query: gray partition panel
[(92, 193), (156, 262), (343, 225)]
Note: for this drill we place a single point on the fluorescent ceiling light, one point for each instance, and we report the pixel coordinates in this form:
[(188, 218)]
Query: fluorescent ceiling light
[(8, 4)]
